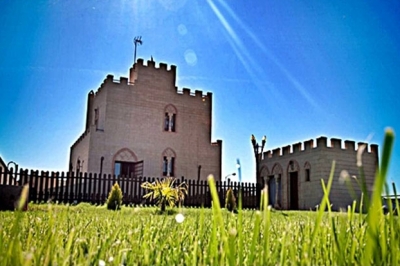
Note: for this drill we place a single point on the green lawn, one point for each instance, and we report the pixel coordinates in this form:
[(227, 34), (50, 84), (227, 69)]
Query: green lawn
[(89, 235)]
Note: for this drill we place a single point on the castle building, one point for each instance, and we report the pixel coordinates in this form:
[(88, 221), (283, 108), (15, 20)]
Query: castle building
[(294, 174), (143, 126)]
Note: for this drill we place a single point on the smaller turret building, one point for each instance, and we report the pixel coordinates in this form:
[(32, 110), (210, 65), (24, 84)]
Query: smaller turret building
[(294, 172)]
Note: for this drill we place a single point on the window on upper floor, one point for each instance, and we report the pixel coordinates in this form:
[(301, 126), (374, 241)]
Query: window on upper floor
[(96, 118), (166, 122), (169, 122), (170, 118)]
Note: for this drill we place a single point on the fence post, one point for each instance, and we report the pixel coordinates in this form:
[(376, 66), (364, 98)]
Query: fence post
[(62, 186), (46, 186), (67, 186), (93, 191), (35, 185), (72, 188), (57, 187)]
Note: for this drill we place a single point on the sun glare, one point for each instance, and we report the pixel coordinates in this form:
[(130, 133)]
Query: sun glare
[(251, 65)]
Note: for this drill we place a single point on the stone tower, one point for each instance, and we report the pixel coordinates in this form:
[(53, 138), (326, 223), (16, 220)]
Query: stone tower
[(143, 126)]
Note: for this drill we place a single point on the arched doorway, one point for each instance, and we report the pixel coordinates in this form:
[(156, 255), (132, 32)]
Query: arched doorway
[(293, 174), (125, 163)]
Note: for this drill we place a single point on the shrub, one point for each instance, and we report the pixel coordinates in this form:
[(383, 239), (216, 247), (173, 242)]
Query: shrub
[(230, 201), (114, 200)]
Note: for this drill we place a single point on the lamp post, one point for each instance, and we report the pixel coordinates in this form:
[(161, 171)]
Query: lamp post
[(257, 155), (233, 174), (15, 170)]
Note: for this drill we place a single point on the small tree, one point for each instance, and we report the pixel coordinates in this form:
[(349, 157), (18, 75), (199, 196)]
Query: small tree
[(230, 200), (114, 200), (164, 192)]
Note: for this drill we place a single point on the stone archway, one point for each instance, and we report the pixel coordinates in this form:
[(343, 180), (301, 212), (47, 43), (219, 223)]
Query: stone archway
[(275, 186), (123, 162)]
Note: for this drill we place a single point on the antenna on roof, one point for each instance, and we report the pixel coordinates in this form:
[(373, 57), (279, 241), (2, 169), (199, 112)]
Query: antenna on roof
[(136, 40)]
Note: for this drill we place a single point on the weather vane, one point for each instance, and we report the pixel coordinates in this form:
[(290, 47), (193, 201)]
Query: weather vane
[(137, 40)]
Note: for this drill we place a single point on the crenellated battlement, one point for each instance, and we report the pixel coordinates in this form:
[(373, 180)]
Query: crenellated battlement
[(197, 93), (111, 80), (321, 143), (135, 73), (152, 64)]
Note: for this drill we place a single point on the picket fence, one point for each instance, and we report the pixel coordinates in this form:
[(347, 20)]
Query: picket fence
[(66, 187)]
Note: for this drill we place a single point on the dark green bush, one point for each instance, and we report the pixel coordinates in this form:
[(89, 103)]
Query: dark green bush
[(114, 200)]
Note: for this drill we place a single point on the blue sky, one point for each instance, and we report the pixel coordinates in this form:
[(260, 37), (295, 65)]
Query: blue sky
[(291, 70)]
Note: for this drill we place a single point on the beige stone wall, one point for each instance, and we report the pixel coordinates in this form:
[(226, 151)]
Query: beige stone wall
[(319, 159), (131, 121), (80, 151)]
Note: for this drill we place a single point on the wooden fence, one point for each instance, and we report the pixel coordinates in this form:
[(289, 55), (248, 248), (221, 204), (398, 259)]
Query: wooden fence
[(93, 188)]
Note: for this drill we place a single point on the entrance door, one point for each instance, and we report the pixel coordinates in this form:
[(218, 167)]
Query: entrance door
[(294, 196), (128, 169)]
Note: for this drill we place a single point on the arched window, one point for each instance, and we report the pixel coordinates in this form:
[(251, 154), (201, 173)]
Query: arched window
[(170, 118), (168, 157)]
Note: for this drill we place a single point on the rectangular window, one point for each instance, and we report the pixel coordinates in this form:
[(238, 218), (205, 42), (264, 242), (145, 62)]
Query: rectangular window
[(307, 174)]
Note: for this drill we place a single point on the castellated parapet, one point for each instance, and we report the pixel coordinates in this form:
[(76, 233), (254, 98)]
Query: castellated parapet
[(296, 170), (141, 71), (146, 118), (321, 143)]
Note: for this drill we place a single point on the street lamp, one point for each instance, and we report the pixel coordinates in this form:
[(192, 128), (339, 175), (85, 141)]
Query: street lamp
[(233, 174), (15, 176), (257, 155)]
